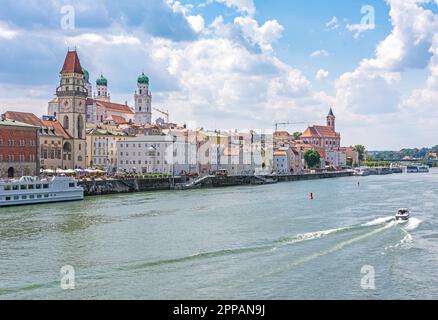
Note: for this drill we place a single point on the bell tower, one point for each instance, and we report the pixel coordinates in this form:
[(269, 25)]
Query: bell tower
[(72, 94), (143, 101), (331, 120)]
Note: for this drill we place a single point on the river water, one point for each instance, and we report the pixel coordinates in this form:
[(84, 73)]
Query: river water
[(261, 242)]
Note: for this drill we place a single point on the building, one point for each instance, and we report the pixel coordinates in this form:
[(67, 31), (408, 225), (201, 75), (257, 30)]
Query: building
[(102, 149), (51, 139), (281, 162), (325, 140), (146, 155), (18, 149), (72, 96), (143, 102)]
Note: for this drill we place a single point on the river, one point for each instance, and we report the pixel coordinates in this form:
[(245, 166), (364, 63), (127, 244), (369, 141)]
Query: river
[(252, 242)]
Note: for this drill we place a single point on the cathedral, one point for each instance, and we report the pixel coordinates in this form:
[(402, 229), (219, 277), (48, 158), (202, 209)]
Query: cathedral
[(98, 107)]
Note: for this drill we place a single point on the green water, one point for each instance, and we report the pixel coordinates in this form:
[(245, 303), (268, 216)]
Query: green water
[(262, 242)]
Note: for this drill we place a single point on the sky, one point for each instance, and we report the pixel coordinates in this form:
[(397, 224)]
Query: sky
[(240, 64)]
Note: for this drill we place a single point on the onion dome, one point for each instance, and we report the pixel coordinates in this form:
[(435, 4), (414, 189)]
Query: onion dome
[(86, 76), (102, 81), (143, 79)]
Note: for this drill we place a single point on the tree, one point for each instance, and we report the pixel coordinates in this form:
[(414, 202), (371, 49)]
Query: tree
[(361, 150), (296, 135), (312, 158)]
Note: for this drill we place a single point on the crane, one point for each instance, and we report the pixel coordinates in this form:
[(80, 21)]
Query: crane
[(166, 113), (286, 124)]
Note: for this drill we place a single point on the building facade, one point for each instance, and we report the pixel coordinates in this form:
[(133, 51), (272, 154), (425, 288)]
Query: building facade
[(18, 149)]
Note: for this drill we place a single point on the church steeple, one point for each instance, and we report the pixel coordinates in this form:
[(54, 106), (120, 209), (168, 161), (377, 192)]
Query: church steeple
[(331, 120)]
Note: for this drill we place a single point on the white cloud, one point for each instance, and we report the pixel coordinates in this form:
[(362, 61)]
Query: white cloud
[(99, 39), (6, 32), (264, 35), (321, 75), (320, 53), (333, 24), (243, 6), (358, 29)]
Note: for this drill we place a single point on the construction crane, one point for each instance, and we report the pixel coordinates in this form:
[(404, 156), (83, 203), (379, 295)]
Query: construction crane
[(286, 124), (166, 113)]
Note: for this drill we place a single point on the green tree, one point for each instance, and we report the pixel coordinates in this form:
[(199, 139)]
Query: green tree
[(296, 135), (361, 150), (312, 158)]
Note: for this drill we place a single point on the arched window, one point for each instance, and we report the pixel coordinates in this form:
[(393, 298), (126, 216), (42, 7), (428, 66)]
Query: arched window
[(80, 126), (66, 122)]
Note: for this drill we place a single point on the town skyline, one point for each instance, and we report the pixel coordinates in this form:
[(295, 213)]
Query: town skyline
[(381, 100)]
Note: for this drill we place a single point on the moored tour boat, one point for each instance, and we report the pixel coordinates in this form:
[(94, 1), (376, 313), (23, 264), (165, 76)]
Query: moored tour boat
[(31, 190)]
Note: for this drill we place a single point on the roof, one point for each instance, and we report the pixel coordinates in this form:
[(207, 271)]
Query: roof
[(280, 153), (114, 107), (319, 132), (331, 112), (116, 119), (13, 123), (33, 120), (72, 63)]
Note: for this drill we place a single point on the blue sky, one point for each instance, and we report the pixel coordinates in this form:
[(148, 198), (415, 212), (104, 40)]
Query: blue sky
[(240, 63)]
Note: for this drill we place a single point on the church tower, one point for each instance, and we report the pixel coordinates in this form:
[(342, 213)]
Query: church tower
[(331, 120), (72, 95), (102, 89), (143, 101)]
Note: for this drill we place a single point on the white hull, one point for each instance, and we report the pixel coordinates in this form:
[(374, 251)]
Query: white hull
[(32, 191)]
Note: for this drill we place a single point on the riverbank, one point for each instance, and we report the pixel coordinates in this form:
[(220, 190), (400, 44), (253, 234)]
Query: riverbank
[(116, 186)]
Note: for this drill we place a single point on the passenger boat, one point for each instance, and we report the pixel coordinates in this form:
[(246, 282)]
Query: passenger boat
[(31, 190), (423, 169), (362, 171), (402, 215)]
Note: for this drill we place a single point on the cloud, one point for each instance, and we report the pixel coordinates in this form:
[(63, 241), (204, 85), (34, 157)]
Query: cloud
[(242, 6), (333, 24), (358, 29), (320, 53), (6, 32), (321, 75)]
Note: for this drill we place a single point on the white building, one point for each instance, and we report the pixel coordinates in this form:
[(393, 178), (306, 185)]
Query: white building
[(146, 154)]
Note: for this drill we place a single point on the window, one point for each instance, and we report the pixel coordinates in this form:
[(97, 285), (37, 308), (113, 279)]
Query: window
[(23, 197), (71, 185), (16, 197), (46, 196), (23, 187), (45, 186), (8, 198), (39, 196), (31, 196), (31, 187)]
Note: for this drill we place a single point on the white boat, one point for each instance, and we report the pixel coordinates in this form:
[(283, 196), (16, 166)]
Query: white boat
[(31, 190), (362, 171), (402, 215), (423, 169)]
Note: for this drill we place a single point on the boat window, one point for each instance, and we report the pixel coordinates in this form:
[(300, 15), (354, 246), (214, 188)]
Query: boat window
[(14, 187), (31, 196), (31, 186), (8, 198), (16, 197), (45, 186), (46, 196), (38, 186), (7, 188), (23, 187), (23, 197), (39, 196), (71, 185)]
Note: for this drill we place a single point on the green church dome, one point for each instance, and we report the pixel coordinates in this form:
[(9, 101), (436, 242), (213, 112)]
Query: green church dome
[(102, 81), (86, 76), (143, 79)]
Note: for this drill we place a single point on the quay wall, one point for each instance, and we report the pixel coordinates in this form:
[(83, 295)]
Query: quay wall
[(103, 187)]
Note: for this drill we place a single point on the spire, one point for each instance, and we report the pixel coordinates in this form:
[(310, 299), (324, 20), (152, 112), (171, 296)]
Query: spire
[(331, 113), (72, 63)]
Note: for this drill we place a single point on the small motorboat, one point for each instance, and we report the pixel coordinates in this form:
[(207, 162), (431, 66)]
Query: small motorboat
[(402, 215)]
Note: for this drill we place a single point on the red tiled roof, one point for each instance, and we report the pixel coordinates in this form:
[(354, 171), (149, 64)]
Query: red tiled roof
[(72, 63), (319, 132), (30, 118), (114, 107), (25, 117), (116, 119)]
